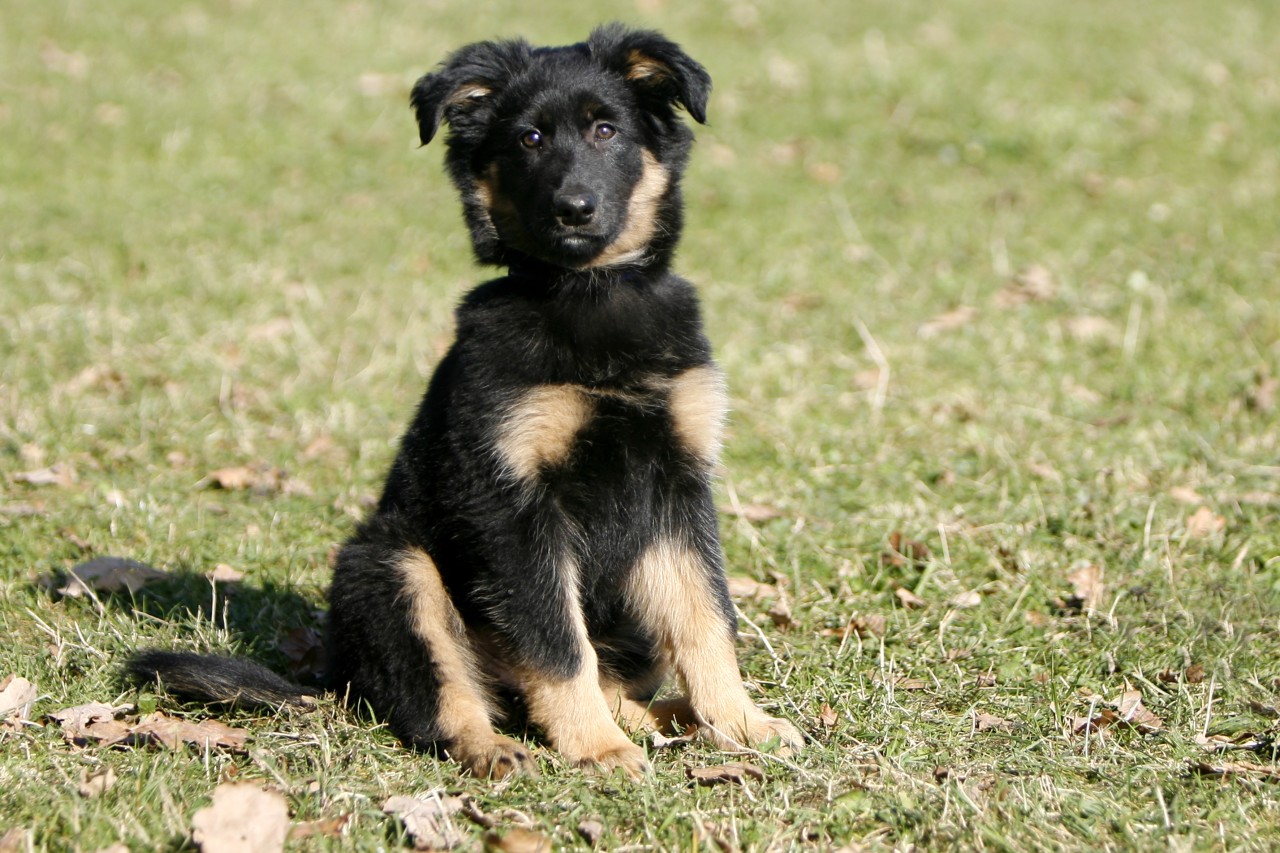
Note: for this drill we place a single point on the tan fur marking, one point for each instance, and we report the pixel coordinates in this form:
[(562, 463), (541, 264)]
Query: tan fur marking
[(667, 592), (468, 92), (641, 66), (464, 712), (698, 407), (642, 217), (540, 429)]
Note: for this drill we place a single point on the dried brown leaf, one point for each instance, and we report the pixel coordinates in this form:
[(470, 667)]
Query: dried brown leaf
[(17, 695), (60, 474), (743, 588), (92, 722), (591, 831), (222, 573), (1089, 588), (755, 513), (174, 733), (304, 648), (1204, 522), (661, 741), (903, 551), (1088, 328), (109, 574), (909, 599), (243, 818), (780, 613), (14, 840), (1135, 714), (518, 840), (738, 771), (96, 783), (828, 716), (1270, 773), (1033, 284), (1195, 673), (1185, 495), (965, 600), (327, 827), (956, 318), (429, 819), (984, 722)]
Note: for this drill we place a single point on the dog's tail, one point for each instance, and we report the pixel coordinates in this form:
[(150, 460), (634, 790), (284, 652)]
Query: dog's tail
[(216, 679)]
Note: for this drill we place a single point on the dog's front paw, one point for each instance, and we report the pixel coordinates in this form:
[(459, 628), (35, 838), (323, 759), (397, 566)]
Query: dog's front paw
[(767, 730), (754, 728), (629, 757), (494, 757)]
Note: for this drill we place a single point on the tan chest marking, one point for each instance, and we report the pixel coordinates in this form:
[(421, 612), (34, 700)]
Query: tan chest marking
[(699, 404), (540, 428)]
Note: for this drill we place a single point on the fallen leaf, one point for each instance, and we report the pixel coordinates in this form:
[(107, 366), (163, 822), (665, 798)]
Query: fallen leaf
[(21, 510), (872, 625), (744, 588), (428, 819), (1033, 284), (828, 716), (92, 722), (591, 831), (985, 679), (1247, 741), (1262, 396), (173, 732), (1204, 522), (1089, 725), (738, 771), (518, 840), (96, 783), (780, 613), (60, 474), (903, 551), (909, 599), (966, 600), (661, 741), (1239, 768), (14, 840), (1134, 713), (956, 318), (260, 479), (984, 722), (1195, 673), (1088, 328), (326, 827), (17, 695), (304, 648), (243, 818), (109, 574), (755, 513), (1185, 495), (222, 573), (1089, 589)]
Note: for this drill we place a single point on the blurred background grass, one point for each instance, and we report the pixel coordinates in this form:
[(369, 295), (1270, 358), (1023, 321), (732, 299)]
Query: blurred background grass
[(1000, 275)]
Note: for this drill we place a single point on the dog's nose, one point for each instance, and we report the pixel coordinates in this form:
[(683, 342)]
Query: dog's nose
[(575, 208)]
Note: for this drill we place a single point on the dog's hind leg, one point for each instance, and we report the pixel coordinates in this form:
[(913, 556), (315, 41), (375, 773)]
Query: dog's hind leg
[(398, 641)]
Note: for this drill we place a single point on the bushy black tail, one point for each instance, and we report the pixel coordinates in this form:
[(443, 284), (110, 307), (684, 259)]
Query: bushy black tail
[(212, 678)]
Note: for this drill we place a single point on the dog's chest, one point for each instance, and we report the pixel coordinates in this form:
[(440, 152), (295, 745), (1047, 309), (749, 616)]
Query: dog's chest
[(579, 436)]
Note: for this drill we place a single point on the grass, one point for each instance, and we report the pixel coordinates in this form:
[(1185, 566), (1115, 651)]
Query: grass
[(219, 247)]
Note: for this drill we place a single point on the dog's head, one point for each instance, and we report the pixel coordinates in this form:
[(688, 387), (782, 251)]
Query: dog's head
[(569, 155)]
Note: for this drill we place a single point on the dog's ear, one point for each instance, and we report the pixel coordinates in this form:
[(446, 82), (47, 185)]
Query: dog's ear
[(655, 67), (465, 84)]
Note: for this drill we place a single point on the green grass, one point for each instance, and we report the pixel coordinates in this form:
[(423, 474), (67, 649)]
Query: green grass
[(219, 246)]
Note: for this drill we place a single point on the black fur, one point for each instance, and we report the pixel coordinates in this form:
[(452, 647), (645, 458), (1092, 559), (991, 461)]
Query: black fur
[(551, 150)]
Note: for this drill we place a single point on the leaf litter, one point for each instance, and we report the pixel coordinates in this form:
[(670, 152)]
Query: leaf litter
[(243, 818)]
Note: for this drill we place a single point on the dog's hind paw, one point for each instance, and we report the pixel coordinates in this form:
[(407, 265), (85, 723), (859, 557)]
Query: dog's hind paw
[(495, 757)]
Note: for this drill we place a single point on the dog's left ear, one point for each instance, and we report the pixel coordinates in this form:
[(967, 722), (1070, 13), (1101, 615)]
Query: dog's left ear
[(655, 67)]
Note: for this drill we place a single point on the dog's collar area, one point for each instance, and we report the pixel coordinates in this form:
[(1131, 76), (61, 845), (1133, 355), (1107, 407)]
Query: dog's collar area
[(544, 274)]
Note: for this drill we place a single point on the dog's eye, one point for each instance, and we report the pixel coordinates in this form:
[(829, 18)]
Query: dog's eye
[(531, 139), (605, 131)]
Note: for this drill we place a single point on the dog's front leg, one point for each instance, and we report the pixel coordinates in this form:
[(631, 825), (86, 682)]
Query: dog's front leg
[(678, 590), (559, 674)]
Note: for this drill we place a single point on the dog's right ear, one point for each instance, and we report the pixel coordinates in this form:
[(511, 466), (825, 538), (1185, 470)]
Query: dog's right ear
[(465, 84)]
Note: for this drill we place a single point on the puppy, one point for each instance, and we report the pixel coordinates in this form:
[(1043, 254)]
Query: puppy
[(547, 528)]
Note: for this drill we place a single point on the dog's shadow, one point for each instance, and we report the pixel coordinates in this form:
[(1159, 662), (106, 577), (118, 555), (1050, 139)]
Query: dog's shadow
[(275, 624)]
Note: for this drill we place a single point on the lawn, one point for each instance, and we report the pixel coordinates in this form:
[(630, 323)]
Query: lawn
[(997, 288)]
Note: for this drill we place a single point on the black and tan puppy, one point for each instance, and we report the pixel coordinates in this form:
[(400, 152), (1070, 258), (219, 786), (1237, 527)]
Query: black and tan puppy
[(548, 524)]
